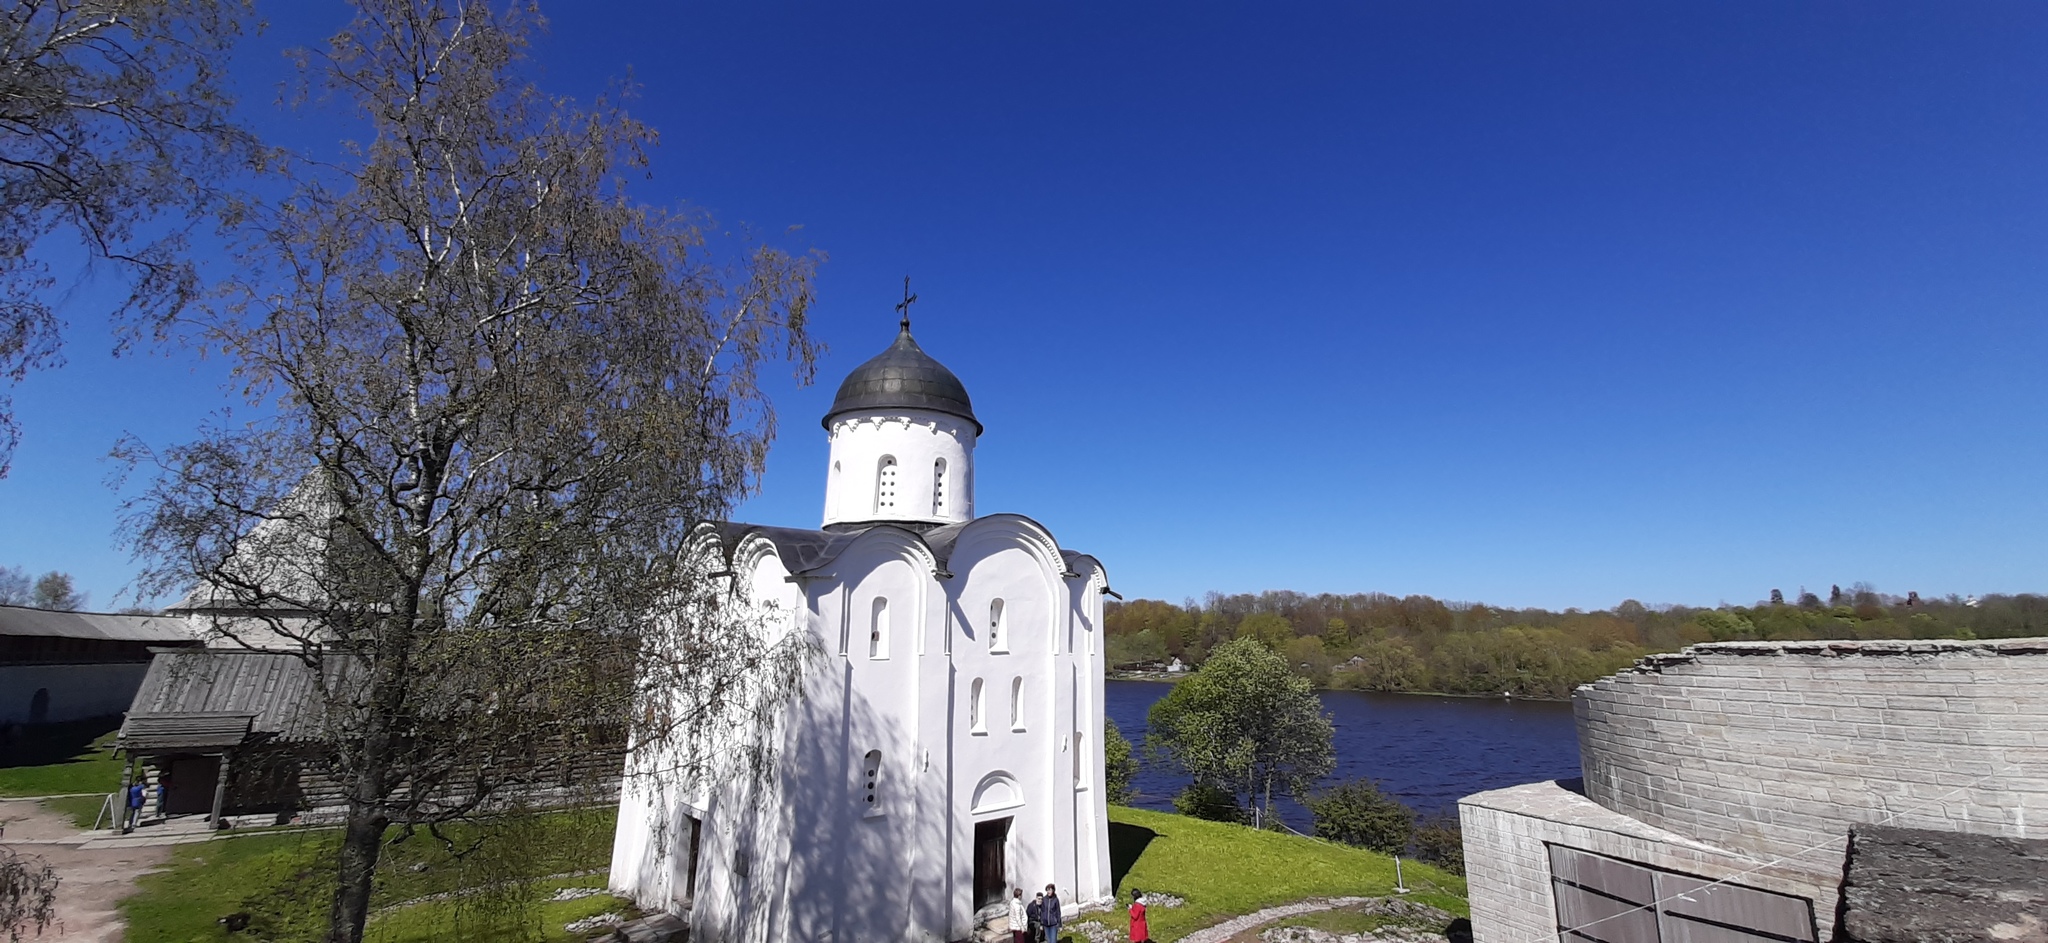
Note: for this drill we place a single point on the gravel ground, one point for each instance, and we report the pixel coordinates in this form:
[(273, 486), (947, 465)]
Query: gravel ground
[(92, 883)]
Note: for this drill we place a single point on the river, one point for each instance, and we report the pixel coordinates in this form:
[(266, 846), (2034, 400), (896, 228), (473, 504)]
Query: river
[(1427, 750)]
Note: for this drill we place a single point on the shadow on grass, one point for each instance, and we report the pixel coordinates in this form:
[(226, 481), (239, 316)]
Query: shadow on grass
[(45, 744), (1126, 844)]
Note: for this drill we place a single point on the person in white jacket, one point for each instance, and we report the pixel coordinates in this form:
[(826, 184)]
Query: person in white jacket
[(1018, 921)]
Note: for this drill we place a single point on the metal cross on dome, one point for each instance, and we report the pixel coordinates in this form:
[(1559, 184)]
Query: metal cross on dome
[(903, 307)]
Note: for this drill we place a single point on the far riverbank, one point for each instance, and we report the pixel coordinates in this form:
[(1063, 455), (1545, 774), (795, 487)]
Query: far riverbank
[(1171, 677)]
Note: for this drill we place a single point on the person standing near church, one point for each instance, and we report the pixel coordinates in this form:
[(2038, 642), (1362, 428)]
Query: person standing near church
[(1052, 918), (1034, 917), (1020, 923), (134, 811), (1140, 933)]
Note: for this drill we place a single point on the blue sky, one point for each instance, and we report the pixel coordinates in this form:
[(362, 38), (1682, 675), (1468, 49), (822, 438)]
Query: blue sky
[(1528, 304)]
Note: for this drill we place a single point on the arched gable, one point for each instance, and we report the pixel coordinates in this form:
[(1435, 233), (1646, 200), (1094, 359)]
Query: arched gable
[(997, 792), (1025, 531), (884, 540), (1029, 623)]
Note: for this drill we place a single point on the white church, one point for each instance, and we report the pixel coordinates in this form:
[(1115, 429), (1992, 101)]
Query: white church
[(946, 744)]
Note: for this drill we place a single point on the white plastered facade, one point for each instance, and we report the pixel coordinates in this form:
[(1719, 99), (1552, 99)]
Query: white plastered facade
[(956, 684)]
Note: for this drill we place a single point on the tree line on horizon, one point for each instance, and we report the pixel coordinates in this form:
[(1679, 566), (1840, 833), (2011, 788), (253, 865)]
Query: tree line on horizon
[(1379, 642)]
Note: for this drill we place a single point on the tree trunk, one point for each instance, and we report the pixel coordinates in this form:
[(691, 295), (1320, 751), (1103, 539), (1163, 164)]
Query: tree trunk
[(1269, 799), (360, 845), (370, 778)]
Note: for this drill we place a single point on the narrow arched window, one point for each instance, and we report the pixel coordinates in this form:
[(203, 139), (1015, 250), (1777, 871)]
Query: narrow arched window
[(871, 779), (885, 484), (996, 640), (1017, 703), (977, 708), (878, 629), (1080, 764), (938, 487)]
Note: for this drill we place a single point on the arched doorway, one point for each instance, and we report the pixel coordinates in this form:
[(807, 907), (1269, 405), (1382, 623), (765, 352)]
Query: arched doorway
[(997, 793), (39, 706), (991, 878)]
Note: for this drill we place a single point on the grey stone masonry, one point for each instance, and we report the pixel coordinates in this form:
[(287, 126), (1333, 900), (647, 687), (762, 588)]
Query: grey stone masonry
[(1775, 749), (1507, 862), (1752, 761)]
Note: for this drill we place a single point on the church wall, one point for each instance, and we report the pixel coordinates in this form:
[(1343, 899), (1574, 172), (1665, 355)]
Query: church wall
[(1091, 848), (851, 880), (998, 564), (744, 828), (916, 440), (803, 860)]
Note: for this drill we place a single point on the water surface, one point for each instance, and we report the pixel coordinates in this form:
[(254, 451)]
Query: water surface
[(1428, 750)]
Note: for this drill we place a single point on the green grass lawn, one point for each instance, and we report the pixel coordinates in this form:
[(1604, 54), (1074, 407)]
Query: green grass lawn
[(285, 883), (82, 810), (1227, 871), (60, 759)]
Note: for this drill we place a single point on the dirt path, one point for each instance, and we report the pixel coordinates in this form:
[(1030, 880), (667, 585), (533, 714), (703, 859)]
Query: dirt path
[(92, 881)]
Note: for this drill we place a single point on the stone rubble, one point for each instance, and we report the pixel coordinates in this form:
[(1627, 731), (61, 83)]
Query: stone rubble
[(589, 924), (1382, 935), (1096, 933)]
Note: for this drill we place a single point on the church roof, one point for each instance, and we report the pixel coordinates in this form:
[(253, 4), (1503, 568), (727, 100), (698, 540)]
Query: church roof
[(806, 551), (903, 377)]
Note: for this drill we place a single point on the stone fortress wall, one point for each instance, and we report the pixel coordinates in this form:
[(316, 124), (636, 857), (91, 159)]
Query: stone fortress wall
[(1749, 762), (1771, 748)]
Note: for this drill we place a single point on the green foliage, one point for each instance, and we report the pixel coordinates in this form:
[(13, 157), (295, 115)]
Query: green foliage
[(1382, 665), (1270, 630), (1142, 648), (1307, 657), (1228, 870), (1357, 813), (1119, 766), (1439, 841), (1244, 723), (1211, 804), (1376, 642)]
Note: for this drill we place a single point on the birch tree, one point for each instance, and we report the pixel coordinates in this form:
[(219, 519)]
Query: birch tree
[(497, 395), (113, 117)]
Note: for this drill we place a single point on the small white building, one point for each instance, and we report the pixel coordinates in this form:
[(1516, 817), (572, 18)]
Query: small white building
[(945, 746)]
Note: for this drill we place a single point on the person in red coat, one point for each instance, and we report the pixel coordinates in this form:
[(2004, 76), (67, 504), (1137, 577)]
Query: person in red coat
[(1140, 933)]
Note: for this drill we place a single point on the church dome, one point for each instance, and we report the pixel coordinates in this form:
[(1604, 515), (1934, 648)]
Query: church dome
[(903, 377)]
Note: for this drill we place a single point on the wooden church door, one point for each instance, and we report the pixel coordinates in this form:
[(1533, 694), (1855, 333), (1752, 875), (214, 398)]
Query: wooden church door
[(991, 884)]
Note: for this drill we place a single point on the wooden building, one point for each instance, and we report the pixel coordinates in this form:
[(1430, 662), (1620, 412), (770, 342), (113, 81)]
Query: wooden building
[(229, 732)]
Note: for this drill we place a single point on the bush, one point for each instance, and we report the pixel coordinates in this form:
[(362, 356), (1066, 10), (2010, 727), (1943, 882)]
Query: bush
[(1440, 842), (1118, 765), (1357, 813), (1210, 802)]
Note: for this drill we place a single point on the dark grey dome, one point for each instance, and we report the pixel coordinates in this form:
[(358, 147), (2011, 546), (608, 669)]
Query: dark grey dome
[(903, 377)]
